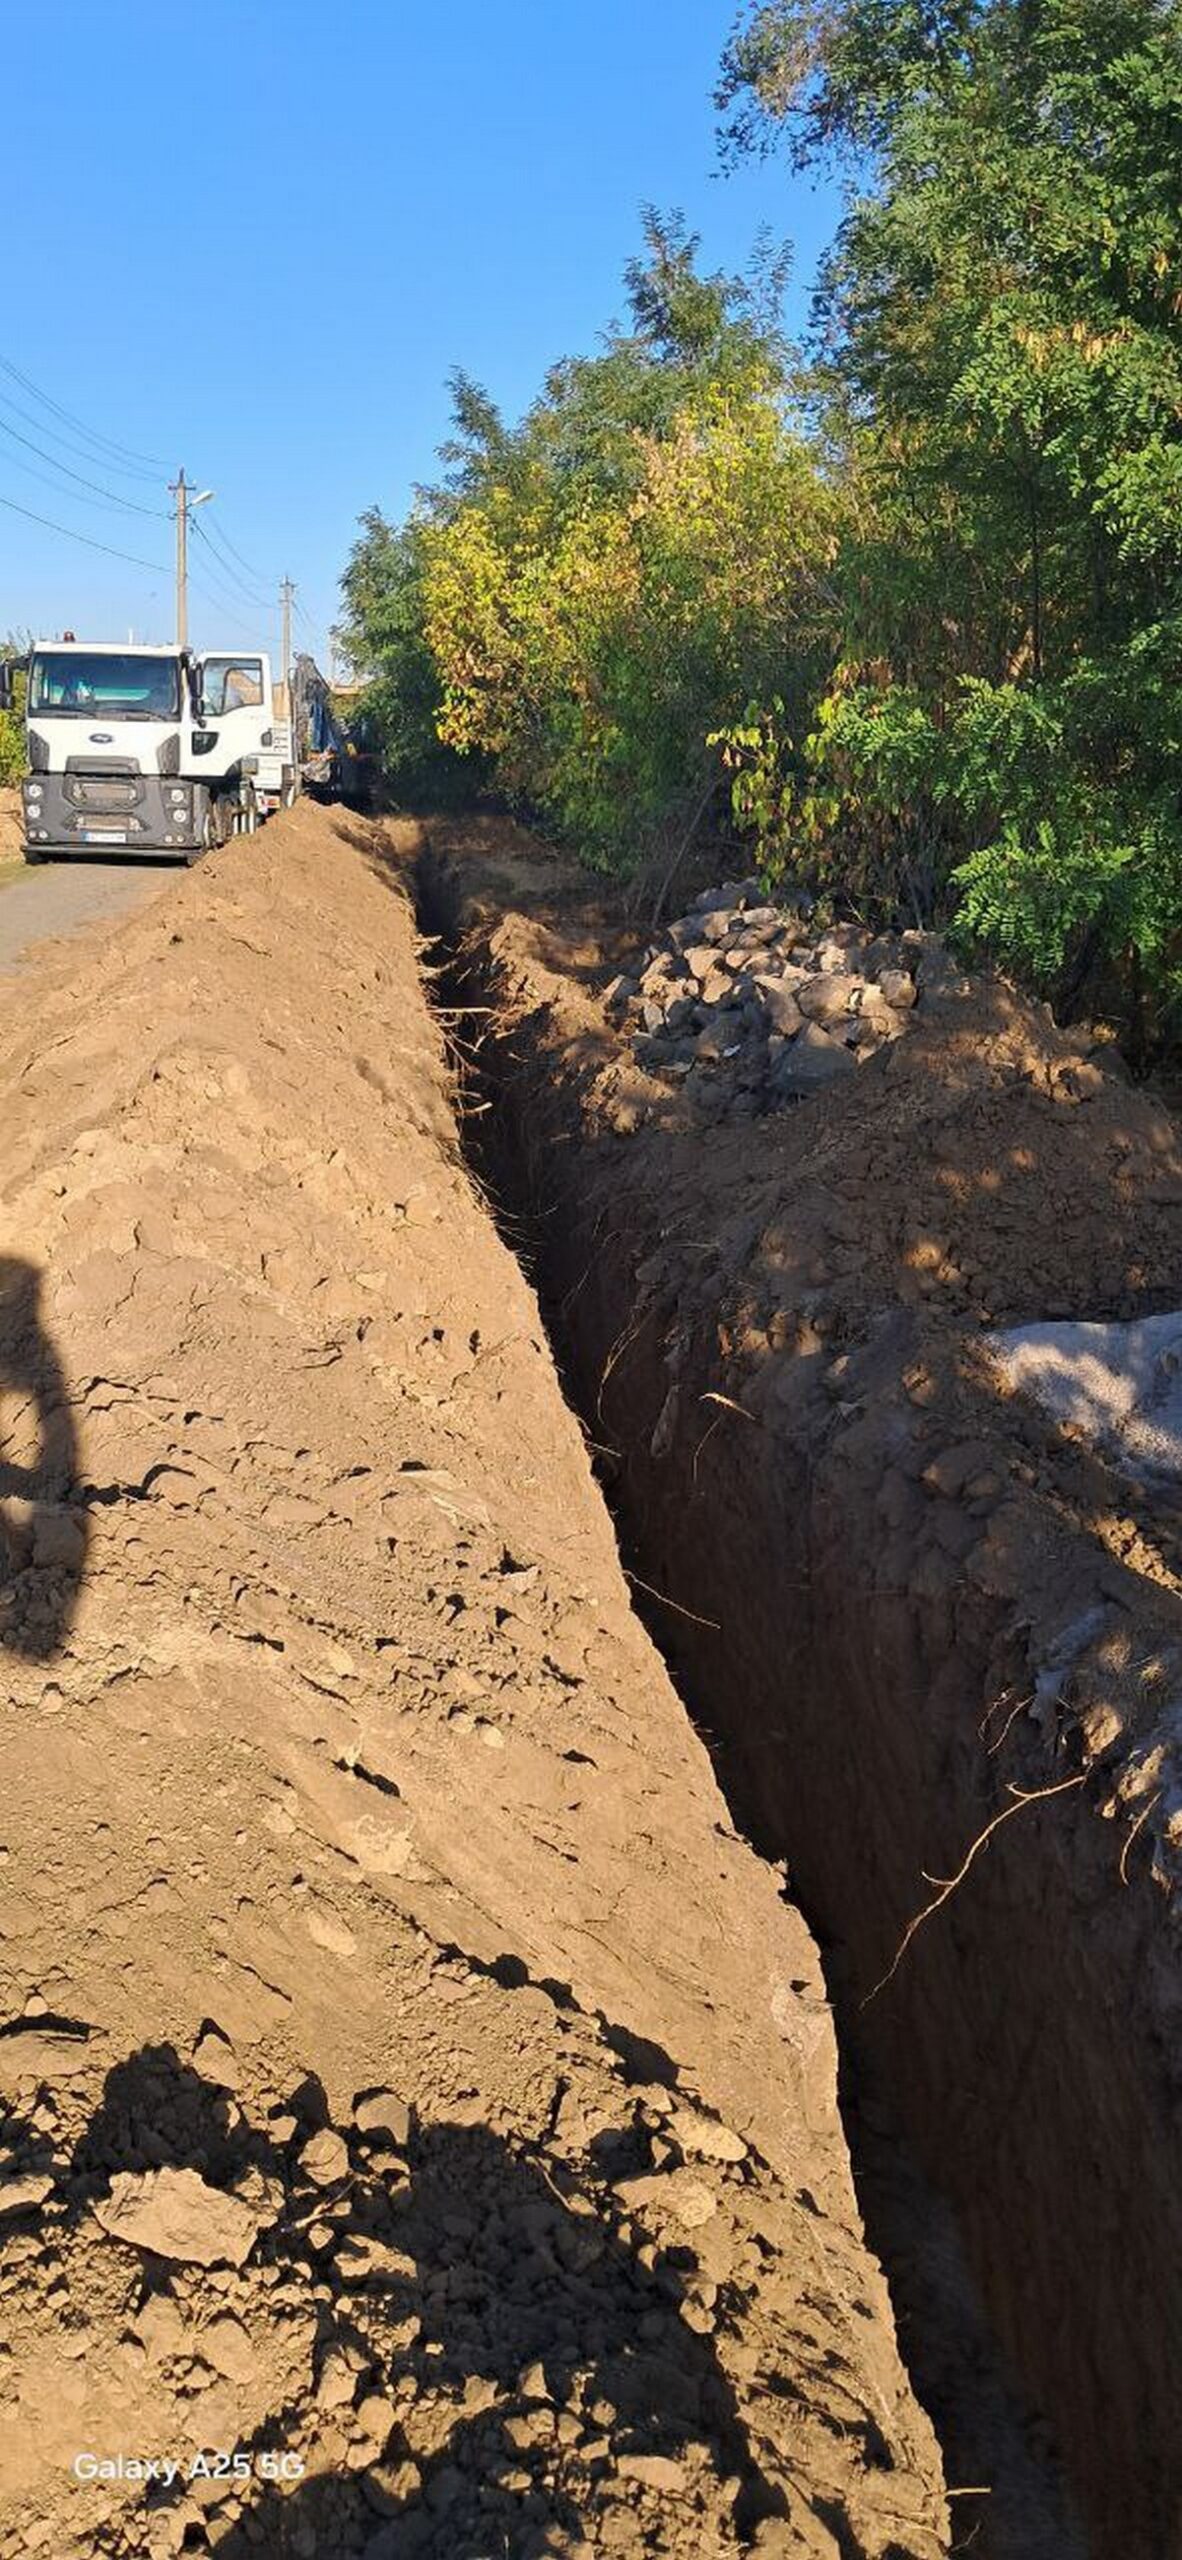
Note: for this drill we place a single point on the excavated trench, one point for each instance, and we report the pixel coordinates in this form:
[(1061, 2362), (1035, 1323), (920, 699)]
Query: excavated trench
[(891, 1625)]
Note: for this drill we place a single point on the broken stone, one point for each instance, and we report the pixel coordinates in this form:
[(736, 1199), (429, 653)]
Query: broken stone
[(814, 1058), (704, 2137), (174, 2214), (674, 2192), (828, 998), (41, 2053), (334, 2390), (325, 2159), (23, 2195), (654, 2471), (214, 2057), (780, 1006), (898, 989), (379, 2111), (375, 2416)]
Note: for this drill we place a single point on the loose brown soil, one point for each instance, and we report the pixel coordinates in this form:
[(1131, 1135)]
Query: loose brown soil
[(404, 2067), (920, 1610), (12, 834)]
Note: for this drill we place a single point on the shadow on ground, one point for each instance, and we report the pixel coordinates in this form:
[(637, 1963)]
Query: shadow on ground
[(492, 2357), (42, 1542)]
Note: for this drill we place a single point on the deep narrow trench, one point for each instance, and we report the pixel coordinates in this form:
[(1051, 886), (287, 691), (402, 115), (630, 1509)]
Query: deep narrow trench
[(1010, 2498)]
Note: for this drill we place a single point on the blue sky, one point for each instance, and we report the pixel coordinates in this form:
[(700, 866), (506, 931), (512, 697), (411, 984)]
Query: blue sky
[(255, 241)]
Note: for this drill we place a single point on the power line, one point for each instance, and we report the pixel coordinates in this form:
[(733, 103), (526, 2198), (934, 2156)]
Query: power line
[(126, 470), (86, 538), (218, 576), (93, 434), (217, 544), (132, 505), (256, 574), (79, 499)]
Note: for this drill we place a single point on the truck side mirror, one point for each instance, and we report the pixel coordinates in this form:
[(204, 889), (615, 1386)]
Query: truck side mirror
[(6, 684)]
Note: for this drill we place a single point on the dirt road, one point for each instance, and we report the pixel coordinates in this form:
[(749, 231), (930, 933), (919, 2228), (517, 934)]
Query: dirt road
[(408, 2076), (39, 902)]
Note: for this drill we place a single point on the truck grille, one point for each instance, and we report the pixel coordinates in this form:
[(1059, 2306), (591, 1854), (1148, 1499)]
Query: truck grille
[(100, 791)]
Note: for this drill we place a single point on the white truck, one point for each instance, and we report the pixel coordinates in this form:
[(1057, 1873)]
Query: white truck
[(238, 694), (141, 750)]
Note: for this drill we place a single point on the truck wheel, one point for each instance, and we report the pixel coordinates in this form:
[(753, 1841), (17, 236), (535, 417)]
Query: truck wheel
[(33, 855), (211, 836)]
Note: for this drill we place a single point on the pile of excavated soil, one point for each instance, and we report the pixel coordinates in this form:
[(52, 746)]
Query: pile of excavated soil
[(12, 834), (418, 2130), (925, 1607)]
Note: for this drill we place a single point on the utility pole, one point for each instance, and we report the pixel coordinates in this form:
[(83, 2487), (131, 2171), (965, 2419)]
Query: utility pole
[(186, 496)]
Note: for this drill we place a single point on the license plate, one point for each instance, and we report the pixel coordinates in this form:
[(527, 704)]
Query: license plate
[(103, 835)]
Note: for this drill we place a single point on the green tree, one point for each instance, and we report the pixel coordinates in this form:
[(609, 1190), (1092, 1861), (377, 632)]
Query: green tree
[(999, 371), (592, 592)]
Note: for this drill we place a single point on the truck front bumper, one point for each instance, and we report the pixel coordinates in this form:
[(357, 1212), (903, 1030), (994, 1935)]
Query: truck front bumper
[(96, 813)]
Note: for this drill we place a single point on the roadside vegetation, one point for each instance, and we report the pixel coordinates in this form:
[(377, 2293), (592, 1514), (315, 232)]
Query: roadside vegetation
[(12, 736), (906, 609)]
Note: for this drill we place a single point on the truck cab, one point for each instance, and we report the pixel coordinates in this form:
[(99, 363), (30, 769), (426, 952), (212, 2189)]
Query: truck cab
[(241, 735), (141, 750), (104, 737)]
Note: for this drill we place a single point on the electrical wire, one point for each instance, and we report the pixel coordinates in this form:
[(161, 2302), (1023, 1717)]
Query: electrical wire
[(78, 497), (126, 470), (210, 534), (93, 435), (86, 538), (235, 596), (256, 574), (132, 505)]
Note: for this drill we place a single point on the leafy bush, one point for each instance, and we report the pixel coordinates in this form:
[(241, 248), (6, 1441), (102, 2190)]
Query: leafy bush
[(12, 737)]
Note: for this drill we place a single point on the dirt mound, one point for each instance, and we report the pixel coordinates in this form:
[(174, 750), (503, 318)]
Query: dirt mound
[(409, 2081), (12, 833), (938, 1636)]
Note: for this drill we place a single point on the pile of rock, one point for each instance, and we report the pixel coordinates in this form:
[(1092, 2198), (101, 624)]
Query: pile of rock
[(750, 1011)]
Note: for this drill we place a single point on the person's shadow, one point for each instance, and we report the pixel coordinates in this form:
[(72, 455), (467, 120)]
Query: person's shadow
[(43, 1540), (548, 2349), (487, 2309)]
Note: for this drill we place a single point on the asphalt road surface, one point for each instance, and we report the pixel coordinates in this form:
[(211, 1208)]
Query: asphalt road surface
[(58, 897)]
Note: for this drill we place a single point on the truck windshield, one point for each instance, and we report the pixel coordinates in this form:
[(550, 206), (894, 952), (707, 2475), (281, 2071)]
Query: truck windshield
[(108, 684)]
